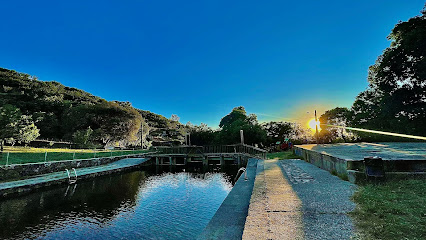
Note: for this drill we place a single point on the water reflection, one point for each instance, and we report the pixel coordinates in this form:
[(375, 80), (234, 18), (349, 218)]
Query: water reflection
[(135, 205)]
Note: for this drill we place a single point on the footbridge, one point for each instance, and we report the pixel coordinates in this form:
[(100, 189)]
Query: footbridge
[(207, 155)]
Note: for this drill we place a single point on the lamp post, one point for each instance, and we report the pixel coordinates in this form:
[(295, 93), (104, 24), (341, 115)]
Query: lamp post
[(141, 134), (188, 139), (316, 126), (242, 136)]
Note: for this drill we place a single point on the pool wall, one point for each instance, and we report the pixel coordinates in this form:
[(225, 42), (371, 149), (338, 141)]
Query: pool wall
[(353, 170), (16, 171), (229, 220)]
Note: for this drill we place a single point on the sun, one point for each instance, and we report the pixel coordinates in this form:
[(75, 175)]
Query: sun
[(312, 124)]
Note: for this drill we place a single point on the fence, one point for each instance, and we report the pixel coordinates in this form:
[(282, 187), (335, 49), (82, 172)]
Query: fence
[(9, 158), (209, 149)]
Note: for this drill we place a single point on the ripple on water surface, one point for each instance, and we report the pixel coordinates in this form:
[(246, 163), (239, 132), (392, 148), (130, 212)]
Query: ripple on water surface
[(128, 206)]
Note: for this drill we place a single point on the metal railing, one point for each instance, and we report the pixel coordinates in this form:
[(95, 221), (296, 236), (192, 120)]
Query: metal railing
[(212, 149), (11, 158)]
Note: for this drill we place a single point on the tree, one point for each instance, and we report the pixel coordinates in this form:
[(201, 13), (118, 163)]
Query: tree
[(175, 118), (396, 96), (338, 117), (238, 120), (16, 127), (202, 135), (238, 113), (83, 138), (277, 131), (26, 130), (110, 121)]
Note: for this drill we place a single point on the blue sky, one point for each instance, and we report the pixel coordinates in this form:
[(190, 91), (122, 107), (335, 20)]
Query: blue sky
[(199, 59)]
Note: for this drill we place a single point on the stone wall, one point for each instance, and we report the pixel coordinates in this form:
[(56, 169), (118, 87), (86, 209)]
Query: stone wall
[(354, 170), (18, 171), (330, 163)]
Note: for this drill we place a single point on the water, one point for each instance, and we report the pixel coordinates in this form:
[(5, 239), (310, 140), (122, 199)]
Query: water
[(133, 205)]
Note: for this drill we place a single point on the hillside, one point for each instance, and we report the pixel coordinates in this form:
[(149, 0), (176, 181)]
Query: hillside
[(61, 112)]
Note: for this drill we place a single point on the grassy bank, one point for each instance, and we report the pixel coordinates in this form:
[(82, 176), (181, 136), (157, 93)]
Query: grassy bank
[(21, 155), (282, 155), (391, 210)]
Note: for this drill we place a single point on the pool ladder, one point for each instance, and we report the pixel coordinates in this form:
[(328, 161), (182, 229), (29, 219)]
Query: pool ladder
[(72, 180), (240, 172)]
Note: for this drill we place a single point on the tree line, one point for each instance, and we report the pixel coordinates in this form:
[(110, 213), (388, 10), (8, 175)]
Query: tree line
[(258, 134), (31, 109), (395, 99)]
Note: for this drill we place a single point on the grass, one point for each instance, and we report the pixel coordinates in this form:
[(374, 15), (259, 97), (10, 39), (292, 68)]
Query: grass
[(43, 150), (282, 155), (391, 210), (21, 155)]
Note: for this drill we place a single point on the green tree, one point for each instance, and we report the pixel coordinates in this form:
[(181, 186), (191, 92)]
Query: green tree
[(84, 138), (202, 135), (238, 113), (238, 120), (396, 96), (15, 127), (25, 130), (277, 131), (338, 117)]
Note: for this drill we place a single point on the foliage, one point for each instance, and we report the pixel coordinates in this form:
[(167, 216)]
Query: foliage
[(202, 135), (238, 113), (83, 138), (15, 127), (175, 118), (238, 120), (395, 100), (392, 210), (282, 155), (59, 111), (337, 117), (26, 131), (277, 131)]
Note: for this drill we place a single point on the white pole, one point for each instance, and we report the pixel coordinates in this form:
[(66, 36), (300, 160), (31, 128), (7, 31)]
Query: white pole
[(45, 157), (242, 136), (7, 159), (73, 155)]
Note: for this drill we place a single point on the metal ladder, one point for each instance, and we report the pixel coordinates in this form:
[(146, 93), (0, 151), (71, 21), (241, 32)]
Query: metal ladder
[(242, 170), (70, 179)]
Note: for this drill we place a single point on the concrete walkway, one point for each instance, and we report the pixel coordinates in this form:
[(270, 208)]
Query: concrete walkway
[(293, 199), (19, 186)]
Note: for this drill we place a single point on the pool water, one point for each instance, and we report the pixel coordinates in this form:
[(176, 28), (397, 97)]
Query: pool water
[(133, 205)]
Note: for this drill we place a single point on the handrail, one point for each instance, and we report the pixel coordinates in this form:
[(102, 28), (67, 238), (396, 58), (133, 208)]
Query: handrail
[(234, 148), (71, 181)]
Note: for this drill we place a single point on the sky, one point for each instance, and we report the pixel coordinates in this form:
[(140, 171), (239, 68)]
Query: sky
[(199, 59)]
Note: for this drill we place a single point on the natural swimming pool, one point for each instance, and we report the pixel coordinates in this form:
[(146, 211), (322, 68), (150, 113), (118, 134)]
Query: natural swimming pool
[(143, 204)]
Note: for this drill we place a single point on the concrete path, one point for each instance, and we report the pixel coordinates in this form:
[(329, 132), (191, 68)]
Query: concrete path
[(293, 199), (275, 209), (7, 188)]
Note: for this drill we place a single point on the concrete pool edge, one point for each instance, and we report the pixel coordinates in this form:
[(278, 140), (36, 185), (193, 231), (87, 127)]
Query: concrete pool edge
[(229, 220), (353, 170)]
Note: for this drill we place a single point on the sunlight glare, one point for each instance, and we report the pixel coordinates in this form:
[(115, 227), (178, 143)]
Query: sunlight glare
[(312, 123)]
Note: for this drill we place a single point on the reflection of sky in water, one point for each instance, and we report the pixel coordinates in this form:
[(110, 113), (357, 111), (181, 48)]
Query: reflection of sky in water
[(169, 206)]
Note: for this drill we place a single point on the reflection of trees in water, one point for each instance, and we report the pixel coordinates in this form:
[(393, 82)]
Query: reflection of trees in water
[(101, 199), (198, 170)]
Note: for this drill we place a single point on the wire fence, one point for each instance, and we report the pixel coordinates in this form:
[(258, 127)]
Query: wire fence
[(9, 158)]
